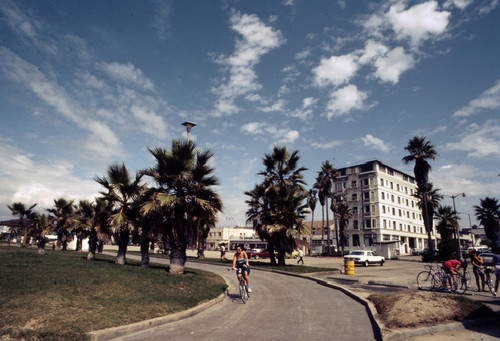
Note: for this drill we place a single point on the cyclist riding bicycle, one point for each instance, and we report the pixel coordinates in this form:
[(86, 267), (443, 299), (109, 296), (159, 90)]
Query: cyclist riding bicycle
[(451, 267), (240, 263)]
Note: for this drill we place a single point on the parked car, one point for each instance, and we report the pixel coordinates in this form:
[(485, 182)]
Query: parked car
[(365, 257), (417, 252), (257, 253), (488, 259)]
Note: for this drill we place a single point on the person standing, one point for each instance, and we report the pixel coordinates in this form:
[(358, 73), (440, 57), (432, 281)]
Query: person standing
[(222, 253), (496, 261), (477, 269), (301, 254)]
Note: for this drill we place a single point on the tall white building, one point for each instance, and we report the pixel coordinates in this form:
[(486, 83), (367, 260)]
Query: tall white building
[(383, 207)]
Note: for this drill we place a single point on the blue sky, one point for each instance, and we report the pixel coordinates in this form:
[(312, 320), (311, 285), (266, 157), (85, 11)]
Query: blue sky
[(84, 84)]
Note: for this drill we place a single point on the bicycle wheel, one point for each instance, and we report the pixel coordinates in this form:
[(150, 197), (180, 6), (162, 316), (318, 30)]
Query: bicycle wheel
[(469, 279), (462, 284), (243, 292), (425, 280), (489, 282)]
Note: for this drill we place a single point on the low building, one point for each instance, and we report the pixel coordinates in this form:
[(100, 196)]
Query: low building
[(223, 235)]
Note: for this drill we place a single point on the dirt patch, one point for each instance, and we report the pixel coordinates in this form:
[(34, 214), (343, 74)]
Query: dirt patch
[(423, 308)]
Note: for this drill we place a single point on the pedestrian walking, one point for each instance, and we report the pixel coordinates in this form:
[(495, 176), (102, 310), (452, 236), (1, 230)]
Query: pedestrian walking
[(301, 254), (222, 253)]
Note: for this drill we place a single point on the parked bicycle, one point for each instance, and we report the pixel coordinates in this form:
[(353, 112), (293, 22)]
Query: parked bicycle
[(488, 279), (436, 278)]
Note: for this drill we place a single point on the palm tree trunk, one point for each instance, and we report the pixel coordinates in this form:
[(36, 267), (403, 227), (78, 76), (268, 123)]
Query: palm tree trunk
[(271, 248), (177, 258), (145, 252), (92, 244), (328, 229), (122, 246), (322, 229), (310, 239)]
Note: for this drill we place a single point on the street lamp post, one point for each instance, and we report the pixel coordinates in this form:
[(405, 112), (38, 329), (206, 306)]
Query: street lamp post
[(457, 231), (188, 126)]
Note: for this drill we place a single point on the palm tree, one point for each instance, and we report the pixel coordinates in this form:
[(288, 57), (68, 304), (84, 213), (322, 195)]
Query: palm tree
[(278, 205), (432, 198), (311, 202), (343, 214), (327, 176), (42, 225), (488, 214), (322, 202), (84, 221), (64, 216), (122, 192), (448, 222), (183, 194), (420, 151), (19, 209)]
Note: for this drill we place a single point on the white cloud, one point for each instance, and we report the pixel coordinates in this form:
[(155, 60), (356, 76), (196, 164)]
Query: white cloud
[(128, 74), (150, 122), (343, 100), (419, 22), (279, 135), (101, 140), (462, 178), (17, 20), (326, 145), (279, 105), (24, 179), (373, 50), (461, 4), (393, 64), (488, 100), (335, 70), (306, 111), (162, 18), (257, 39), (480, 141), (373, 142)]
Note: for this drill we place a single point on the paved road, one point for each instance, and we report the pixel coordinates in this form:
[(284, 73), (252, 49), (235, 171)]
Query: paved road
[(280, 308)]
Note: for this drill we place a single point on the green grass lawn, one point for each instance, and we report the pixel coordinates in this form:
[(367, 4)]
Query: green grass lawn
[(61, 295)]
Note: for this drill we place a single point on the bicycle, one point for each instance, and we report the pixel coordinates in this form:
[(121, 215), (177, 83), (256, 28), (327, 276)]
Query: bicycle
[(437, 278), (243, 290), (488, 279)]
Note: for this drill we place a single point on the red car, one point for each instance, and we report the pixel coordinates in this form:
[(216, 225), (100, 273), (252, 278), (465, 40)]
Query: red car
[(257, 253)]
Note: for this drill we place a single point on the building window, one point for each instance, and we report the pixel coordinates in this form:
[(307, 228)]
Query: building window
[(368, 223), (392, 185), (393, 211), (392, 197), (400, 213), (355, 224), (355, 210), (383, 195), (355, 197), (374, 223), (366, 182), (354, 184), (386, 237), (399, 200), (367, 209), (384, 222), (381, 182), (394, 225), (383, 209), (397, 187), (367, 195)]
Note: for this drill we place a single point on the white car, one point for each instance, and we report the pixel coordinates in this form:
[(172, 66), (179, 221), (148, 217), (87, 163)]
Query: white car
[(365, 258)]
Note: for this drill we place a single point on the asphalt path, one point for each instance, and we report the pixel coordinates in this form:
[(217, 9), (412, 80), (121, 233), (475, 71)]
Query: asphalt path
[(281, 307)]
